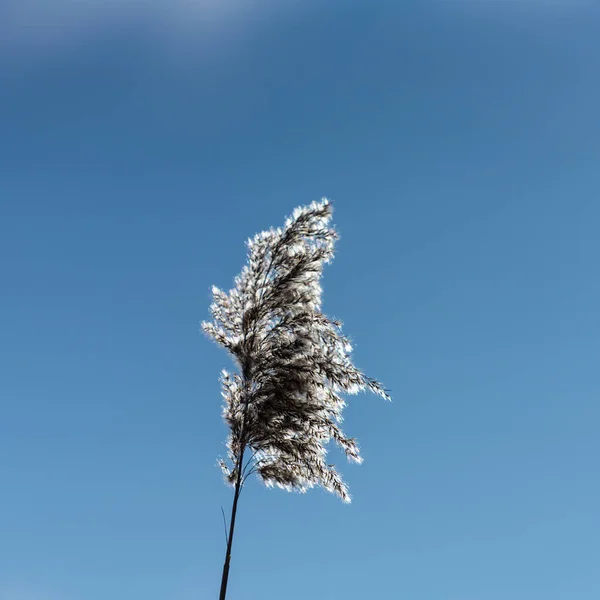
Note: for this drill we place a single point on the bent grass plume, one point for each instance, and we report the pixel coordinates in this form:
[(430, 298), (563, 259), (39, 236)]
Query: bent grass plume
[(284, 403)]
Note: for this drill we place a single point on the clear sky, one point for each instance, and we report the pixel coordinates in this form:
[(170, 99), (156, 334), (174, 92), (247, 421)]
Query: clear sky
[(140, 147)]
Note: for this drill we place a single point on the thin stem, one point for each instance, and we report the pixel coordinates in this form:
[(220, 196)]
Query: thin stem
[(249, 461), (240, 463), (225, 524), (254, 468), (238, 487)]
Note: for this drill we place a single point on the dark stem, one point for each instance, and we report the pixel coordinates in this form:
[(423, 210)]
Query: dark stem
[(239, 481), (225, 524), (236, 495)]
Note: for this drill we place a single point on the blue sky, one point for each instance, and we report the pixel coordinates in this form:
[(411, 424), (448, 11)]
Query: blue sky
[(139, 148)]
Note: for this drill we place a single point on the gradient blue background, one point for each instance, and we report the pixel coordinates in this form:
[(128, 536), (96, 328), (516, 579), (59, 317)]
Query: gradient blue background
[(461, 147)]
